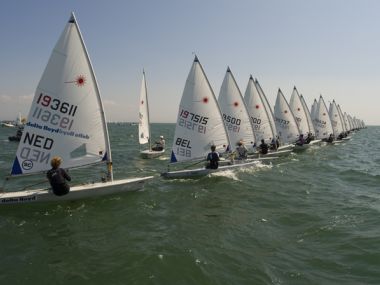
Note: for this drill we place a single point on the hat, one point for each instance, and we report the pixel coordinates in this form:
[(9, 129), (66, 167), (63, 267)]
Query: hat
[(161, 137)]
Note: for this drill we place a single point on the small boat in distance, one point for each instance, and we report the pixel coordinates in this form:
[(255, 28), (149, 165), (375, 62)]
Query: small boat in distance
[(144, 126), (67, 119)]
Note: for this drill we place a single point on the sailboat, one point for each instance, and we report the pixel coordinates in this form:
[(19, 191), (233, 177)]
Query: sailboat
[(260, 117), (302, 116), (144, 124), (67, 119), (286, 124), (322, 122), (268, 109), (308, 116), (235, 114), (199, 126), (336, 121)]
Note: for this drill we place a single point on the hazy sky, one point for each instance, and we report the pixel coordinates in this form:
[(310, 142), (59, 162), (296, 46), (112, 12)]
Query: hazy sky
[(323, 47)]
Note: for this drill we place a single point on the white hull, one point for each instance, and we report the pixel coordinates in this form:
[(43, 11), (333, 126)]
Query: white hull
[(338, 142), (278, 153), (151, 153), (190, 173), (287, 146), (8, 125), (76, 192), (307, 145), (346, 138)]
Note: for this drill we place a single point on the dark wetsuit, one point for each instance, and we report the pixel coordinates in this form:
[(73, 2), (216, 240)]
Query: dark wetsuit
[(213, 158), (263, 148), (57, 178)]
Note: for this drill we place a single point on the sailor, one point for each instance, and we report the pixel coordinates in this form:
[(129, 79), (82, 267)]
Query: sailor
[(300, 140), (308, 138), (273, 144), (241, 150), (330, 138), (159, 145), (263, 147), (57, 177), (213, 159)]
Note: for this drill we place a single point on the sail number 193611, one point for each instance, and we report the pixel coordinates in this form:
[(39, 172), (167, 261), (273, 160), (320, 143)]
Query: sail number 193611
[(60, 114)]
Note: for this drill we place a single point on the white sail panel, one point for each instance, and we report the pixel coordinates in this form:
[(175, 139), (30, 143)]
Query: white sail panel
[(285, 122), (144, 132), (335, 119), (342, 119), (199, 122), (322, 123), (268, 108), (299, 112), (346, 122), (313, 109), (308, 115), (256, 110), (234, 112), (66, 117)]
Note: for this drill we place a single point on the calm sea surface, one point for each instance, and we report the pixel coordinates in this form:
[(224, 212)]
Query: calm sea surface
[(310, 218)]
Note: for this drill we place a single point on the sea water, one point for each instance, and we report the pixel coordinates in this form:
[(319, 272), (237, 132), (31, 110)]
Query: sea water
[(310, 218)]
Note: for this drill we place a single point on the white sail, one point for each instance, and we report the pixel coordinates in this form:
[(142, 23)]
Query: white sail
[(322, 123), (308, 115), (268, 108), (299, 113), (351, 122), (342, 119), (234, 112), (285, 122), (257, 112), (66, 117), (199, 122), (144, 132), (335, 119), (346, 121), (313, 109)]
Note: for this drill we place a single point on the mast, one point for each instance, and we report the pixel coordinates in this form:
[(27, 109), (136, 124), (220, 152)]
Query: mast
[(103, 117), (147, 107), (266, 107), (213, 95)]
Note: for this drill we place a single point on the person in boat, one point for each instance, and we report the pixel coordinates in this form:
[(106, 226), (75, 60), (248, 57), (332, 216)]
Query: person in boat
[(308, 138), (301, 140), (241, 150), (159, 145), (57, 177), (277, 142), (213, 158), (263, 147), (18, 135), (274, 144), (330, 139)]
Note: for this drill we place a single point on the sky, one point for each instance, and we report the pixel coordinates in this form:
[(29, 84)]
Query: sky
[(328, 47)]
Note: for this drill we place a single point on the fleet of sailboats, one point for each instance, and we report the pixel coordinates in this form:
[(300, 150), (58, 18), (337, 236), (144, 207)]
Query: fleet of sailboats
[(67, 119)]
